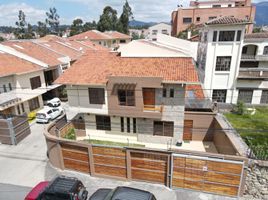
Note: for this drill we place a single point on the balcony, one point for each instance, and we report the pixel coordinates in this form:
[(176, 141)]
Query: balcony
[(153, 108), (253, 73), (262, 57), (248, 57)]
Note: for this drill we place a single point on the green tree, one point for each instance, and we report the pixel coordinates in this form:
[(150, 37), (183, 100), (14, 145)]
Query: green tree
[(90, 26), (142, 36), (135, 36), (1, 39), (126, 16), (23, 29), (53, 20), (76, 27), (29, 32), (108, 19), (41, 29)]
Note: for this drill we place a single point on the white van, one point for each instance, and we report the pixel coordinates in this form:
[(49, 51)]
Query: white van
[(48, 114)]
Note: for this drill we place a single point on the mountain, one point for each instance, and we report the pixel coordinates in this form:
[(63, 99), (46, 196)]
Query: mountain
[(135, 23), (261, 17)]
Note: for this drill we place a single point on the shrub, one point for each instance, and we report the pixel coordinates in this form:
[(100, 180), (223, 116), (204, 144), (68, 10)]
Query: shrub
[(240, 108), (70, 134)]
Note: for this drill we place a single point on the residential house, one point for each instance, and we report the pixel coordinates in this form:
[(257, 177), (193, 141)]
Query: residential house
[(201, 11), (162, 28), (110, 39), (142, 98)]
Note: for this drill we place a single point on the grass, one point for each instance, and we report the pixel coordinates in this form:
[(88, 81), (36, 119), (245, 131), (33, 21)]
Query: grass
[(252, 128), (70, 134), (110, 143)]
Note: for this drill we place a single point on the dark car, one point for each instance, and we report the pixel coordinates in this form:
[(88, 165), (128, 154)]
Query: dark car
[(61, 188), (122, 193)]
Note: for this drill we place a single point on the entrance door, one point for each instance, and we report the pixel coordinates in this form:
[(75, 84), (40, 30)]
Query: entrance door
[(188, 130), (148, 98)]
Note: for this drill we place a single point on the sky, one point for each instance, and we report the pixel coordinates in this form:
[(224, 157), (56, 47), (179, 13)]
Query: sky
[(87, 10)]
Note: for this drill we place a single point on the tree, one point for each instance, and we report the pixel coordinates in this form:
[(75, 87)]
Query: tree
[(29, 34), (1, 39), (23, 30), (76, 27), (53, 20), (135, 36), (108, 19), (125, 18), (42, 29), (90, 26)]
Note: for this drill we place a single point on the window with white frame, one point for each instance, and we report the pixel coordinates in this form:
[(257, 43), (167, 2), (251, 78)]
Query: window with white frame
[(219, 95), (245, 95), (223, 63), (265, 50)]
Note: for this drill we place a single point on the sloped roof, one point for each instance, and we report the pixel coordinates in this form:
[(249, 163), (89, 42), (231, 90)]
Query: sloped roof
[(117, 35), (96, 66), (91, 35), (10, 65), (226, 20), (261, 35)]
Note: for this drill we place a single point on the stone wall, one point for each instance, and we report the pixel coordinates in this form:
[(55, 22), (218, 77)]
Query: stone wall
[(257, 181)]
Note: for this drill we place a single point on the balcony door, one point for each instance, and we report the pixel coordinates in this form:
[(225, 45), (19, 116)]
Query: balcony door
[(148, 98)]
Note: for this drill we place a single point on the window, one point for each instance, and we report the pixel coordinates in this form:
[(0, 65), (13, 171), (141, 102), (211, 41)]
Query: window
[(128, 124), (219, 96), (33, 104), (198, 19), (163, 128), (187, 20), (165, 31), (5, 88), (223, 63), (154, 32), (229, 5), (35, 82), (212, 17), (96, 95), (226, 36), (126, 97), (122, 41), (215, 34), (244, 50), (238, 36), (245, 96), (103, 122), (22, 108), (216, 6), (134, 125), (171, 93), (265, 50), (122, 124), (247, 17), (164, 92), (10, 86), (264, 97), (18, 109)]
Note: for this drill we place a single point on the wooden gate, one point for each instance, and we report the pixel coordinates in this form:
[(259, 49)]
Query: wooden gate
[(149, 166), (188, 130), (207, 174), (75, 158)]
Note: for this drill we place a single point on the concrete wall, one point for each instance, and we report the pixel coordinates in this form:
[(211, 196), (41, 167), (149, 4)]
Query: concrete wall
[(159, 28), (5, 81), (23, 80)]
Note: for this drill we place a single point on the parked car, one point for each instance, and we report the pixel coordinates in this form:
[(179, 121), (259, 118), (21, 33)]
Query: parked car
[(55, 102), (61, 188), (47, 114), (125, 193)]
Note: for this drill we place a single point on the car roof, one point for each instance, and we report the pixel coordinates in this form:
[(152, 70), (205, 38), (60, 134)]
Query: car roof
[(34, 193), (45, 109), (128, 193)]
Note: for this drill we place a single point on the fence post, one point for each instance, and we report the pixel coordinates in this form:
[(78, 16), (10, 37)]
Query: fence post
[(11, 131), (91, 160), (128, 164)]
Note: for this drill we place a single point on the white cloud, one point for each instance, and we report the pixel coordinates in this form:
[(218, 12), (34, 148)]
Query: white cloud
[(9, 13)]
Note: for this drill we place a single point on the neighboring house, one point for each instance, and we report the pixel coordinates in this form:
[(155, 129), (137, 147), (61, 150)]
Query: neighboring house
[(161, 28), (252, 80), (140, 32), (202, 11), (110, 39), (164, 46), (22, 84), (143, 98), (219, 56)]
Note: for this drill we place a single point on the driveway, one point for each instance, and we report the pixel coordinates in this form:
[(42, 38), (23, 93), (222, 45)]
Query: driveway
[(25, 165)]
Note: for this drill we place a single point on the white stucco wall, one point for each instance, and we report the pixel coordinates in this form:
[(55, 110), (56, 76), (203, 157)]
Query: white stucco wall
[(159, 28)]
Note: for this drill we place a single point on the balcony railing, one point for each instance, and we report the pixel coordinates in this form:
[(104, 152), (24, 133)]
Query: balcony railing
[(153, 108), (262, 57), (248, 57), (253, 73)]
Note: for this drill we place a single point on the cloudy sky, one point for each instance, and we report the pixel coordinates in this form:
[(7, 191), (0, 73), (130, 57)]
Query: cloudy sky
[(88, 10)]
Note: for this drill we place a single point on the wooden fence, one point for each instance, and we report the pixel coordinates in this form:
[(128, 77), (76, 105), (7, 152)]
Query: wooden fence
[(213, 173)]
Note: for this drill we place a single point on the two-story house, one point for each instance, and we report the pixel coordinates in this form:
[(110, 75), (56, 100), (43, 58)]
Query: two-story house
[(139, 97)]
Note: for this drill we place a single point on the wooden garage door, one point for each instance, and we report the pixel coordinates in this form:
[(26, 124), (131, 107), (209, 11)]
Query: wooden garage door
[(208, 175), (75, 158), (149, 167), (188, 130)]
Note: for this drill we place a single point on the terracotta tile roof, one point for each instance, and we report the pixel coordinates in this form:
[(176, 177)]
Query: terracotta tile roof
[(196, 90), (261, 35), (97, 66), (52, 38), (36, 51), (91, 35), (117, 35), (92, 45), (226, 20), (10, 65)]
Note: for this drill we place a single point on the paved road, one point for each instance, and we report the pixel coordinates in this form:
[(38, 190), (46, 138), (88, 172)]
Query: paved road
[(25, 165)]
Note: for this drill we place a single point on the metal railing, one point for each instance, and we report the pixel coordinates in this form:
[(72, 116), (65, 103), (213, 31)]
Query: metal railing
[(248, 57)]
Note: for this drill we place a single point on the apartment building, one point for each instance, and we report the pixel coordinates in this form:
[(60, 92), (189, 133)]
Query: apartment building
[(202, 11), (109, 39), (162, 28), (139, 97)]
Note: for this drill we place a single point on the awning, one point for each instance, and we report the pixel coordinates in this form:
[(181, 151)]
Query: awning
[(123, 86)]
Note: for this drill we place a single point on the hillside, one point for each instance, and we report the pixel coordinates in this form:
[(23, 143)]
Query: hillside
[(262, 13)]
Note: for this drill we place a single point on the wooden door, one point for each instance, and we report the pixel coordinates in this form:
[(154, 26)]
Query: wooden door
[(188, 130), (148, 98)]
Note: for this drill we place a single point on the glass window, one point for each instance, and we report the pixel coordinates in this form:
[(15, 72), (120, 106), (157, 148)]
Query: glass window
[(10, 86), (265, 50), (219, 96), (212, 17), (264, 97), (122, 124), (226, 36), (18, 109), (5, 88), (163, 128), (244, 50), (103, 122), (238, 36), (164, 92), (128, 124), (22, 108), (216, 6), (96, 96), (223, 63), (245, 95), (198, 19), (215, 34), (35, 82), (187, 20), (134, 125), (33, 104), (126, 97), (171, 93)]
